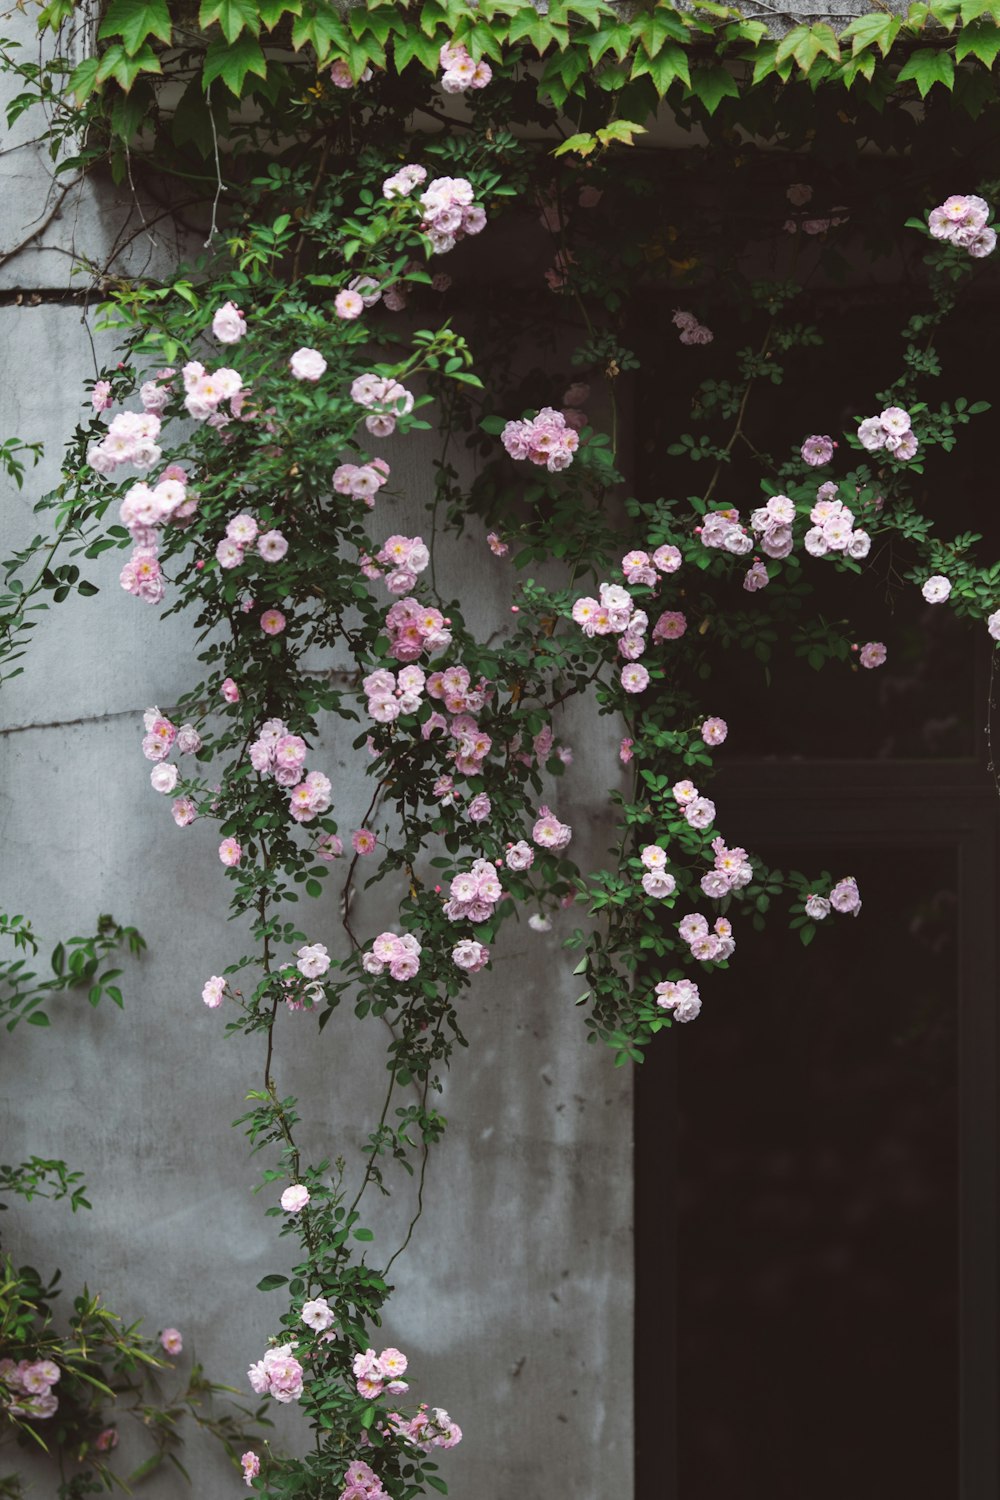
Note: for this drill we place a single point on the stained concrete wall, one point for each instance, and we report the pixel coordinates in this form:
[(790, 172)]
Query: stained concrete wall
[(514, 1299)]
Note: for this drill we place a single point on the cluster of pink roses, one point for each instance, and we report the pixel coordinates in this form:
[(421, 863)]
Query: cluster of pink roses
[(545, 439), (160, 738), (26, 1388), (707, 945), (278, 1374), (474, 894), (205, 392), (961, 220), (891, 430), (680, 997), (722, 529), (428, 1429), (399, 954), (644, 567), (462, 72), (731, 871), (656, 880), (845, 898), (698, 811), (691, 331), (363, 481), (450, 213), (130, 439), (277, 753), (375, 1373), (404, 556), (384, 399), (393, 693), (402, 183), (362, 1483), (415, 628), (833, 528), (242, 532)]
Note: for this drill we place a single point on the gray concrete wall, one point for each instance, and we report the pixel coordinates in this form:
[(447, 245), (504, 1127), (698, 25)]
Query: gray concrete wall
[(514, 1299)]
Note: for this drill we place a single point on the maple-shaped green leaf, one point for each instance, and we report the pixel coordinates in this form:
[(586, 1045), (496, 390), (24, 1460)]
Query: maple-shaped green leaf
[(232, 61), (234, 16), (134, 21), (981, 41), (877, 30), (117, 64), (712, 85), (928, 67)]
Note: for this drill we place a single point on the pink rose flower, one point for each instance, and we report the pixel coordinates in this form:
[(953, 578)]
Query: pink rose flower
[(873, 654), (229, 324), (714, 731), (213, 991), (183, 810), (171, 1341), (230, 852), (251, 1466), (230, 691), (295, 1198), (272, 622), (307, 364), (348, 304), (363, 842)]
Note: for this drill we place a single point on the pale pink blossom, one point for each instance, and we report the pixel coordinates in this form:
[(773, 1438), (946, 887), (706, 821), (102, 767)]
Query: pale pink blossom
[(230, 691), (936, 589), (469, 955), (700, 813), (230, 852), (625, 751), (714, 731), (106, 1440), (171, 1341), (817, 450), (229, 324), (348, 304), (845, 897), (873, 654), (817, 907), (313, 960), (251, 1466), (272, 622), (317, 1314), (295, 1198), (307, 364), (183, 811), (363, 842), (213, 991), (634, 677), (163, 778)]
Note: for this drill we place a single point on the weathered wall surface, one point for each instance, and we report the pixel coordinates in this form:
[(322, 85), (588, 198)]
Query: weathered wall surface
[(514, 1299)]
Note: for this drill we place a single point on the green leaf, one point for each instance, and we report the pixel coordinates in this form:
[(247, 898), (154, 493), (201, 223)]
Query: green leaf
[(928, 67), (668, 64), (322, 31), (232, 61), (712, 85), (580, 145), (234, 16), (982, 42), (135, 20), (271, 1283), (271, 11), (38, 1018), (117, 64), (363, 1234), (876, 29)]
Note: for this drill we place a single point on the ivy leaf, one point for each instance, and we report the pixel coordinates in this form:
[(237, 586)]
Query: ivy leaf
[(271, 11), (669, 63), (424, 49), (620, 130), (324, 31), (876, 29), (135, 20), (581, 145), (712, 85), (232, 61), (982, 42), (117, 64), (928, 67), (234, 16), (805, 43)]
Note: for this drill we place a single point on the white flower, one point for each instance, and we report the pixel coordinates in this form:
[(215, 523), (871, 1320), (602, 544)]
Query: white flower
[(307, 364), (313, 960), (936, 589)]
